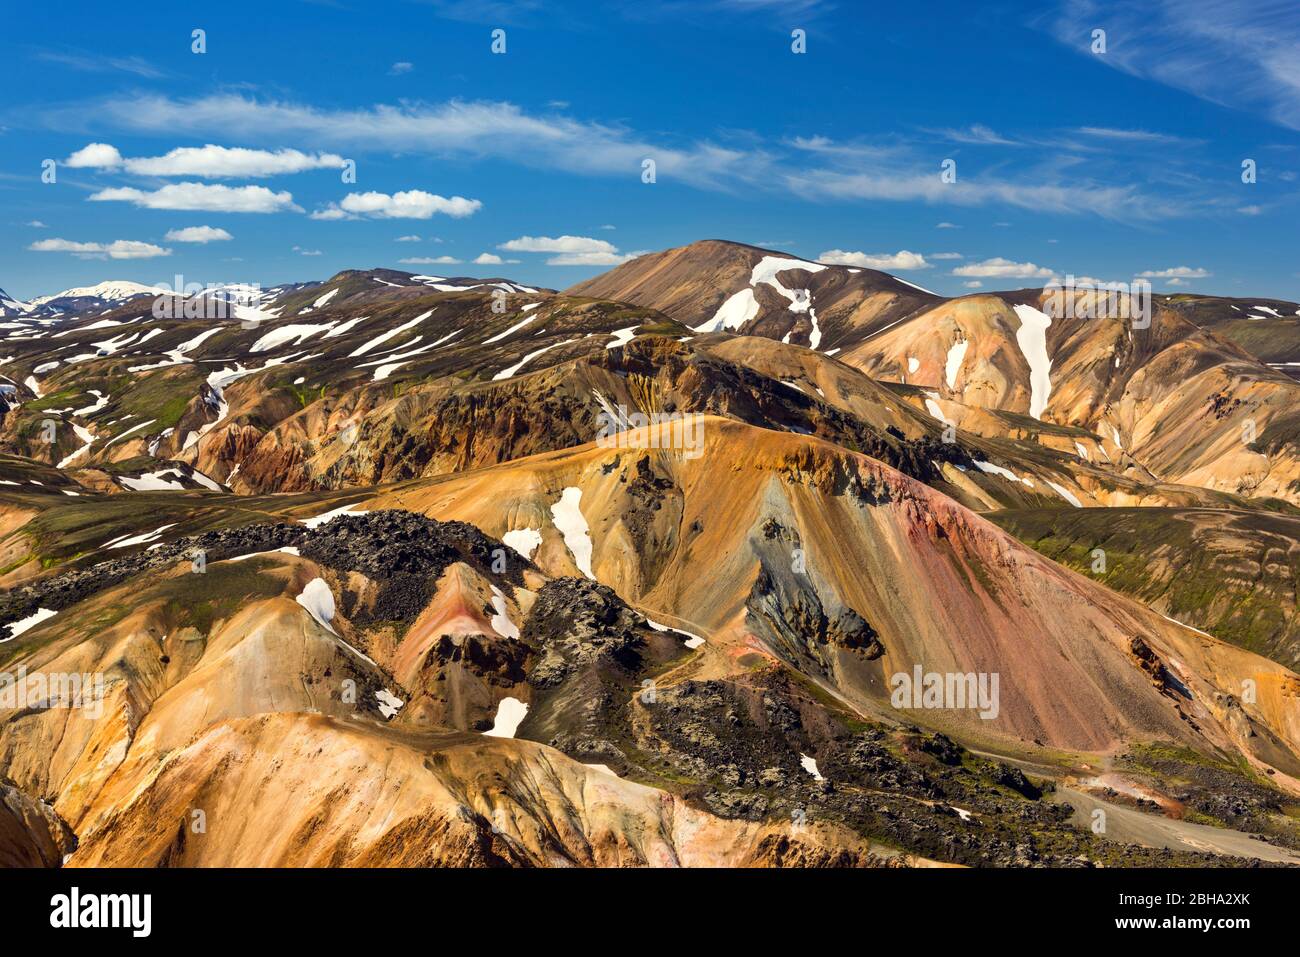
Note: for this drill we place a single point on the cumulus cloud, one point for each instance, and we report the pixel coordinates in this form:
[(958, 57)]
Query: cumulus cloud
[(202, 197), (431, 261), (491, 259), (1177, 272), (408, 204), (118, 249), (95, 156), (570, 250), (590, 259), (946, 256), (210, 162), (558, 244), (972, 284), (198, 234), (407, 239), (223, 162), (999, 268), (903, 259)]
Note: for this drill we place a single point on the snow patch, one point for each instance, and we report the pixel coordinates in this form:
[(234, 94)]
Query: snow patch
[(956, 354), (1065, 493), (523, 540), (16, 628), (809, 764), (573, 526), (317, 598), (1032, 339), (510, 714)]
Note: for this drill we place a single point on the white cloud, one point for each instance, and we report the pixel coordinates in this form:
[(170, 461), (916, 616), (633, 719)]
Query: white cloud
[(946, 226), (37, 224), (1235, 54), (475, 129), (979, 135), (408, 204), (814, 168), (570, 250), (198, 234), (972, 284), (95, 156), (1177, 272), (118, 249), (1000, 268), (1133, 136), (95, 63), (1250, 210), (946, 256), (407, 239), (400, 67), (330, 213), (558, 244), (492, 259), (903, 259), (307, 252), (211, 162), (590, 259), (218, 162), (203, 197), (431, 261)]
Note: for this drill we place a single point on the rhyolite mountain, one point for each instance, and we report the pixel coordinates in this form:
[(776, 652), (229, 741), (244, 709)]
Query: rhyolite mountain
[(362, 582)]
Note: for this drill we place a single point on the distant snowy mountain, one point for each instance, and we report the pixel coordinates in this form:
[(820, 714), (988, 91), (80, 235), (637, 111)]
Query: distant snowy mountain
[(11, 307), (105, 295)]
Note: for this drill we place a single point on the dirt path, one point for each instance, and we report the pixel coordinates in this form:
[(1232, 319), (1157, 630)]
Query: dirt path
[(1130, 826)]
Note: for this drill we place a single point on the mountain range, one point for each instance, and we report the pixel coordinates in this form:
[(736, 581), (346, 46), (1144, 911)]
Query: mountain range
[(687, 564)]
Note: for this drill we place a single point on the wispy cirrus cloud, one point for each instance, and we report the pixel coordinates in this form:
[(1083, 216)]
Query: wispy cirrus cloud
[(976, 135), (481, 129), (1236, 53), (815, 168), (100, 63)]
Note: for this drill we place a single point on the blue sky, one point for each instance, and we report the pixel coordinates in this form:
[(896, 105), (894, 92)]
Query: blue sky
[(1068, 161)]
